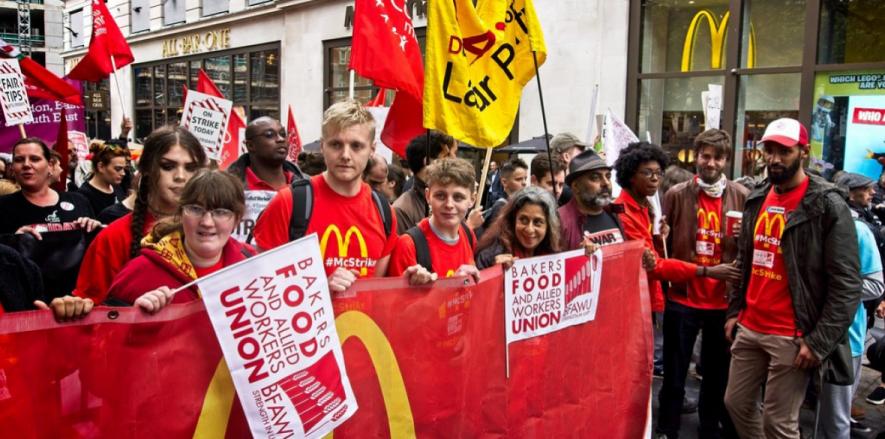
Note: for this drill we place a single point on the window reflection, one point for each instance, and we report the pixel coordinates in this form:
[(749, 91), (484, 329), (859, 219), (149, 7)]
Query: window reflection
[(851, 31)]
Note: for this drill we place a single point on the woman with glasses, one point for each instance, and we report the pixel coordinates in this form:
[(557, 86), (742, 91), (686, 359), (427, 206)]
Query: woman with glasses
[(196, 242), (109, 162), (171, 156)]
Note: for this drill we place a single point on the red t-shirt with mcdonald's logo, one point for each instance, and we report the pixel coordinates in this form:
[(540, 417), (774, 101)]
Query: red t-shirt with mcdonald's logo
[(445, 258), (706, 292), (769, 307), (350, 229)]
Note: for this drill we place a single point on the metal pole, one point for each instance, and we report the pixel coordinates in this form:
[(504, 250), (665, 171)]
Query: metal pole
[(544, 119)]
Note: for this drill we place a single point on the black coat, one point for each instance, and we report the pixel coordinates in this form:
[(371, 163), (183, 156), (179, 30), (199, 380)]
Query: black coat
[(20, 281)]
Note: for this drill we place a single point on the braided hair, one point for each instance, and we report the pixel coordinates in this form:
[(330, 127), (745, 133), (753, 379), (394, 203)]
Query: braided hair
[(157, 144)]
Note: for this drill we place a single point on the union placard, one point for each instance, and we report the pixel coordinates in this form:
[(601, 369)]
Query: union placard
[(274, 321), (206, 117), (13, 95), (548, 293)]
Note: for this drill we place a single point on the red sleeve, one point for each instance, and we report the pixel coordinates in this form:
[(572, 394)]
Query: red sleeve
[(272, 228), (392, 238), (674, 270), (633, 230), (103, 259), (403, 256), (127, 285)]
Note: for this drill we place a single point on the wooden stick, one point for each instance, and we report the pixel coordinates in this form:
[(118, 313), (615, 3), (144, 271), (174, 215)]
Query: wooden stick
[(482, 179), (21, 130), (119, 90)]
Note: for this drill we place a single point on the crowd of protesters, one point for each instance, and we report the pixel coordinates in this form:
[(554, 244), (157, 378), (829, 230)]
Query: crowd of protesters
[(781, 275)]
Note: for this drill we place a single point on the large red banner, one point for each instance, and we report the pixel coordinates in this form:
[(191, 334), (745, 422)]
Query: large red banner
[(427, 362)]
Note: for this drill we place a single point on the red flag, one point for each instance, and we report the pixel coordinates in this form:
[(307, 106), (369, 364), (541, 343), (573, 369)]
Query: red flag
[(107, 42), (39, 82), (61, 147), (294, 138), (378, 100), (386, 51), (231, 150)]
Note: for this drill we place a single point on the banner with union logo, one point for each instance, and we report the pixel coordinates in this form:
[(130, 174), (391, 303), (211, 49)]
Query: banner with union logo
[(478, 60), (423, 362)]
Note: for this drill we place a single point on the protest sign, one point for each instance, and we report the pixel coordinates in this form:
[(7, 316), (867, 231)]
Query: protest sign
[(80, 143), (256, 202), (548, 293), (14, 97), (206, 117), (274, 320)]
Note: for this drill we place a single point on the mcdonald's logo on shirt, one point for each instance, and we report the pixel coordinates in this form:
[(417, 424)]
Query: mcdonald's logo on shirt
[(772, 224), (718, 32), (709, 225), (344, 258)]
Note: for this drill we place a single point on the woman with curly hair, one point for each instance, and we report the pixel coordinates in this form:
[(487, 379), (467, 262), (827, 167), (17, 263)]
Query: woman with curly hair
[(103, 189), (171, 156), (640, 171), (527, 226)]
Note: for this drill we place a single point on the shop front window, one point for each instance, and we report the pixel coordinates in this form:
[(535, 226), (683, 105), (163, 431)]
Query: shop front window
[(772, 33), (761, 100), (851, 31), (682, 36), (250, 77)]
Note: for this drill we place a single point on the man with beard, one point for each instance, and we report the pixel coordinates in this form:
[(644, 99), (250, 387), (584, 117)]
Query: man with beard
[(798, 292), (695, 211), (263, 170), (587, 214)]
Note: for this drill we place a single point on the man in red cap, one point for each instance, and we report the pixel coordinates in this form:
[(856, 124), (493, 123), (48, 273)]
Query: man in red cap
[(799, 290)]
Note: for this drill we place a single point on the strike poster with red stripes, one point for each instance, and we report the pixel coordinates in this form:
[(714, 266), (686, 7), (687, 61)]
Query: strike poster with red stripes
[(206, 117), (423, 362)]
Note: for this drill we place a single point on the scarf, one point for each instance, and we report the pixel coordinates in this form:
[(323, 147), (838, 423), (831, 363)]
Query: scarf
[(171, 249), (714, 190)]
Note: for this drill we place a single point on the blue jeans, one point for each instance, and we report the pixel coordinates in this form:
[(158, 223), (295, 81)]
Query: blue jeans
[(681, 327)]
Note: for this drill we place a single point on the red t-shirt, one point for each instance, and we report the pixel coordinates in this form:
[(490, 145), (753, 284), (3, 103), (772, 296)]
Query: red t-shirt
[(445, 258), (205, 271), (769, 303), (253, 183), (105, 257), (350, 229), (706, 292)]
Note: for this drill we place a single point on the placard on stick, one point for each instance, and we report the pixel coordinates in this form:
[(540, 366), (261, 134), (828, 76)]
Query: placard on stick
[(13, 96), (206, 117)]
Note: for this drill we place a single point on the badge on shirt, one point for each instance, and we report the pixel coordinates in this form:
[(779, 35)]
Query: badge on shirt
[(763, 258), (705, 248)]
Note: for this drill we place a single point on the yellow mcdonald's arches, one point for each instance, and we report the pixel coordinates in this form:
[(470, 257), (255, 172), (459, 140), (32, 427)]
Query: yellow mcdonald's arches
[(709, 221), (217, 403), (717, 41), (393, 389), (220, 395), (770, 222), (344, 243)]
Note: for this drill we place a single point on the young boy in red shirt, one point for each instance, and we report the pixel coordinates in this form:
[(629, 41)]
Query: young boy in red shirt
[(356, 234), (442, 241)]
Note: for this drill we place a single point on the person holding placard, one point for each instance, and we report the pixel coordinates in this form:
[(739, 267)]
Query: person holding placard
[(441, 245), (171, 156)]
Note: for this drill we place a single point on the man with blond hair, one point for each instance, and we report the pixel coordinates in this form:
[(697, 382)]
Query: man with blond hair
[(356, 226)]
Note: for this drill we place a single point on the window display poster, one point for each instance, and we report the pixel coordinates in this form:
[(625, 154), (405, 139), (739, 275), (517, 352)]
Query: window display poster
[(865, 134), (830, 116)]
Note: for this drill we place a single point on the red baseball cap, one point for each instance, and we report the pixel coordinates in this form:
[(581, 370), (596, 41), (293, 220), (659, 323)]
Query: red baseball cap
[(787, 132)]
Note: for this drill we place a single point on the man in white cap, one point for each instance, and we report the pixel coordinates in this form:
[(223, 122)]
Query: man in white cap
[(798, 293)]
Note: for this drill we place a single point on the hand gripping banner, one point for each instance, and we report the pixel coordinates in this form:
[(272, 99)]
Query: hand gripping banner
[(423, 362)]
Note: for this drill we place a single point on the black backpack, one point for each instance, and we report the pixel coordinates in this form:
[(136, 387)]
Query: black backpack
[(301, 211), (422, 249)]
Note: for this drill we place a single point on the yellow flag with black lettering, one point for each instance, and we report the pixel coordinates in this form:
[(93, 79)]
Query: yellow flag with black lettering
[(477, 61)]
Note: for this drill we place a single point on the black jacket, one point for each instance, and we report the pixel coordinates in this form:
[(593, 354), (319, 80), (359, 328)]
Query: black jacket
[(238, 168), (820, 252), (20, 281)]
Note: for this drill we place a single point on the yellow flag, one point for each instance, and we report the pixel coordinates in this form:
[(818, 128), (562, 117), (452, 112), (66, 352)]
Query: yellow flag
[(477, 61)]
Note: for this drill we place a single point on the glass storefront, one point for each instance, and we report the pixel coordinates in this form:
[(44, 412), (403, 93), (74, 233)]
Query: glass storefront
[(770, 61), (248, 76)]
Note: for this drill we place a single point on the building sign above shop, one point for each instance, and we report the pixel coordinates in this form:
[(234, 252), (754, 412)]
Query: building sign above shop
[(413, 8), (97, 100), (197, 42)]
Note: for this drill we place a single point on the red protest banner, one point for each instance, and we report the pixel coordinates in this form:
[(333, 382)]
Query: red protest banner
[(422, 362)]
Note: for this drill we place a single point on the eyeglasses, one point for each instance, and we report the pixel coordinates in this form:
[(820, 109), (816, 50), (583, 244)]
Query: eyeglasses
[(648, 174), (196, 211), (271, 134)]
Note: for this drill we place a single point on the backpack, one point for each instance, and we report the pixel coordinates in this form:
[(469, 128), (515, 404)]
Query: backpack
[(422, 249), (301, 212)]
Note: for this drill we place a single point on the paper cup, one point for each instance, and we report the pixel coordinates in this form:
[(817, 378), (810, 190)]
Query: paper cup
[(732, 217)]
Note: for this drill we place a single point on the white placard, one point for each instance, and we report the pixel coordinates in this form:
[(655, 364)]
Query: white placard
[(713, 105), (548, 293), (380, 115), (273, 317), (206, 117), (256, 202), (13, 95)]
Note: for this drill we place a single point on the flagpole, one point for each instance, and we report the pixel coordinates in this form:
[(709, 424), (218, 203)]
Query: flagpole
[(350, 84), (544, 119), (21, 130), (594, 99), (119, 90)]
